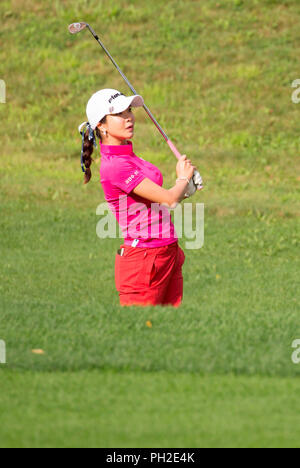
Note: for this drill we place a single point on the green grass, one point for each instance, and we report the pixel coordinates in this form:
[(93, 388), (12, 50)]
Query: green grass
[(159, 409), (218, 371)]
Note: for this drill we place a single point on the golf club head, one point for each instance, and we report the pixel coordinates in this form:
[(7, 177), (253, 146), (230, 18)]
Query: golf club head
[(75, 28)]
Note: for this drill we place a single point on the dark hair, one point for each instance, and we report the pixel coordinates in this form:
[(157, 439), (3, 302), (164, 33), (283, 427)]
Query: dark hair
[(88, 149)]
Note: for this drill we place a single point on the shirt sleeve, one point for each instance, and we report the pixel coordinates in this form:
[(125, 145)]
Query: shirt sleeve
[(126, 176)]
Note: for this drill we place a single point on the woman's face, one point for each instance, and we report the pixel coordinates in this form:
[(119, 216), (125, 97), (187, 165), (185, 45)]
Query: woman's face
[(119, 127)]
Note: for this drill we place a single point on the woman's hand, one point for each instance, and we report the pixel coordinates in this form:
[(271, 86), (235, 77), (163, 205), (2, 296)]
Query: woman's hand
[(185, 168)]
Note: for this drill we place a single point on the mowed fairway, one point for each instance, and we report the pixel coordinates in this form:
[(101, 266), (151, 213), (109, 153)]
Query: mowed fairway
[(218, 371)]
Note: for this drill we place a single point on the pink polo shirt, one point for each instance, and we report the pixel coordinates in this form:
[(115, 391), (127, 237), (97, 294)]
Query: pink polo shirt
[(143, 223)]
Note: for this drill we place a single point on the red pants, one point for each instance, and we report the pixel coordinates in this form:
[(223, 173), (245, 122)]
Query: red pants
[(150, 276)]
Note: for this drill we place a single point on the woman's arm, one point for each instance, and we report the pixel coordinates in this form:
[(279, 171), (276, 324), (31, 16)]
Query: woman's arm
[(157, 194), (153, 192)]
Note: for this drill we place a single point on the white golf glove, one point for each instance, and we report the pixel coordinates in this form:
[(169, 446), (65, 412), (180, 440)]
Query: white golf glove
[(194, 185), (191, 189), (198, 180)]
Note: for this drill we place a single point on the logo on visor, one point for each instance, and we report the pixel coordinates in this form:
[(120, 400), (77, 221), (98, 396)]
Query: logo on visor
[(115, 97)]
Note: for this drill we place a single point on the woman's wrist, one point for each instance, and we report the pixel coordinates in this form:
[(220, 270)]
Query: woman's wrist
[(180, 188), (186, 179)]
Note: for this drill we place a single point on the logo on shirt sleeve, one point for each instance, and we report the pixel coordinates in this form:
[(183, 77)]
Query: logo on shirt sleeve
[(130, 179)]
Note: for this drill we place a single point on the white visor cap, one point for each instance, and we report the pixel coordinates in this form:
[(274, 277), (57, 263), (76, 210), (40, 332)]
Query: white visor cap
[(109, 101)]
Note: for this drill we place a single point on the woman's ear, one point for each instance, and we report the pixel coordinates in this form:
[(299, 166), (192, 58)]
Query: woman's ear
[(101, 129)]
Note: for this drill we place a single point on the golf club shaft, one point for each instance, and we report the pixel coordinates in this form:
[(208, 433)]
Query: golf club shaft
[(171, 145)]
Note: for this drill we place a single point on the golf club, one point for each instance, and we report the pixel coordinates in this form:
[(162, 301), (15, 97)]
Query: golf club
[(75, 28)]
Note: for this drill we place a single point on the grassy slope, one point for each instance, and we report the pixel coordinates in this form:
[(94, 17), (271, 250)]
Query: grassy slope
[(217, 75)]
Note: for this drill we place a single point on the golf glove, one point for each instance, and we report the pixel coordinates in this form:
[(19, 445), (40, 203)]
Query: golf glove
[(198, 180), (191, 189), (194, 185)]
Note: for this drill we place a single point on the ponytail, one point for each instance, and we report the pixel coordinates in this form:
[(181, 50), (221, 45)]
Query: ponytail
[(88, 143), (88, 148)]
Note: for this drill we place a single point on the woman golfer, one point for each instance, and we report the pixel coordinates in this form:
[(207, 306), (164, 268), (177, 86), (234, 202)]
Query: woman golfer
[(148, 266)]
